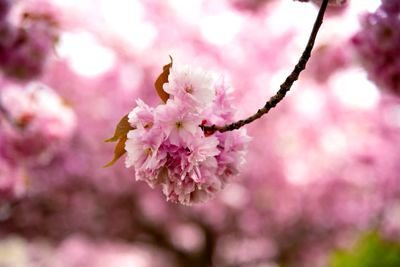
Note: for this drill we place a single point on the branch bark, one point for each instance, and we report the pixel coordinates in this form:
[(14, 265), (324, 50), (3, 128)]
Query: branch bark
[(285, 86)]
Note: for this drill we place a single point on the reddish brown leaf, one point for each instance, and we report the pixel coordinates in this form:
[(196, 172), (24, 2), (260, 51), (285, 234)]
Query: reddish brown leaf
[(119, 151), (163, 78), (122, 129), (120, 135)]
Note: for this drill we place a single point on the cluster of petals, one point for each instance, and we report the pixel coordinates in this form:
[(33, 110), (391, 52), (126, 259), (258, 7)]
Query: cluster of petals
[(377, 45), (38, 119), (168, 148)]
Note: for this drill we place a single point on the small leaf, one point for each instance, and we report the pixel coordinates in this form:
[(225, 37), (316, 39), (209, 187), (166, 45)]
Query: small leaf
[(120, 135), (121, 130), (119, 151), (163, 78)]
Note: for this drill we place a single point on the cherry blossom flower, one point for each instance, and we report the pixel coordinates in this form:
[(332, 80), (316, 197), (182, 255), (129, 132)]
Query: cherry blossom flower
[(167, 146), (193, 86)]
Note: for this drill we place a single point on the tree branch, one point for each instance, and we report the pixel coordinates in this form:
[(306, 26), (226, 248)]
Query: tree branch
[(285, 86)]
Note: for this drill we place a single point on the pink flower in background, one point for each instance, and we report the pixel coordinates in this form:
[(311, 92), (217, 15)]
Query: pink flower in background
[(26, 44), (377, 46), (5, 6), (168, 147), (39, 115)]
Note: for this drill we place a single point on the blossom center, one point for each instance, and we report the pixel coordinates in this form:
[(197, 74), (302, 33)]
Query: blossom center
[(148, 125), (179, 125), (148, 151), (189, 89)]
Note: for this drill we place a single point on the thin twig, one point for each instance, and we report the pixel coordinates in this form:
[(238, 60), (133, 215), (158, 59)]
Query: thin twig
[(284, 88)]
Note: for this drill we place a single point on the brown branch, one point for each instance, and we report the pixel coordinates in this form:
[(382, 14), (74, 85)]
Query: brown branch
[(284, 88)]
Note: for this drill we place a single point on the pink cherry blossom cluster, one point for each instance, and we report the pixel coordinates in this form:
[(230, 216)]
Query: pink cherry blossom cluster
[(36, 116), (26, 43), (377, 45), (168, 147)]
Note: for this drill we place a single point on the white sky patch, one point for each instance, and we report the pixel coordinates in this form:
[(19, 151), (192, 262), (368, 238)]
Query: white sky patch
[(85, 55), (126, 19), (189, 10), (276, 81), (309, 102), (354, 90), (221, 28), (120, 14), (289, 15)]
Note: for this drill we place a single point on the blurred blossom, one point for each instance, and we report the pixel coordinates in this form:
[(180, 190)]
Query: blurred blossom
[(76, 252), (41, 120), (5, 6), (85, 55), (377, 45), (327, 59), (391, 223), (25, 45), (252, 5), (188, 237), (321, 167), (13, 252)]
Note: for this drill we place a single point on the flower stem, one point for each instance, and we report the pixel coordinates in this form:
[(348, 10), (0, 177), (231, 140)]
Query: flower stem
[(285, 86)]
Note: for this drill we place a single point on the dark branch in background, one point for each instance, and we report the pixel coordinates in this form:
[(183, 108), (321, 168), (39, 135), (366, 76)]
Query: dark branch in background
[(284, 88)]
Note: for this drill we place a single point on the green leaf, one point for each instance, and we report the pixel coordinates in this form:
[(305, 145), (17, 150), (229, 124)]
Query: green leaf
[(163, 78), (370, 251)]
